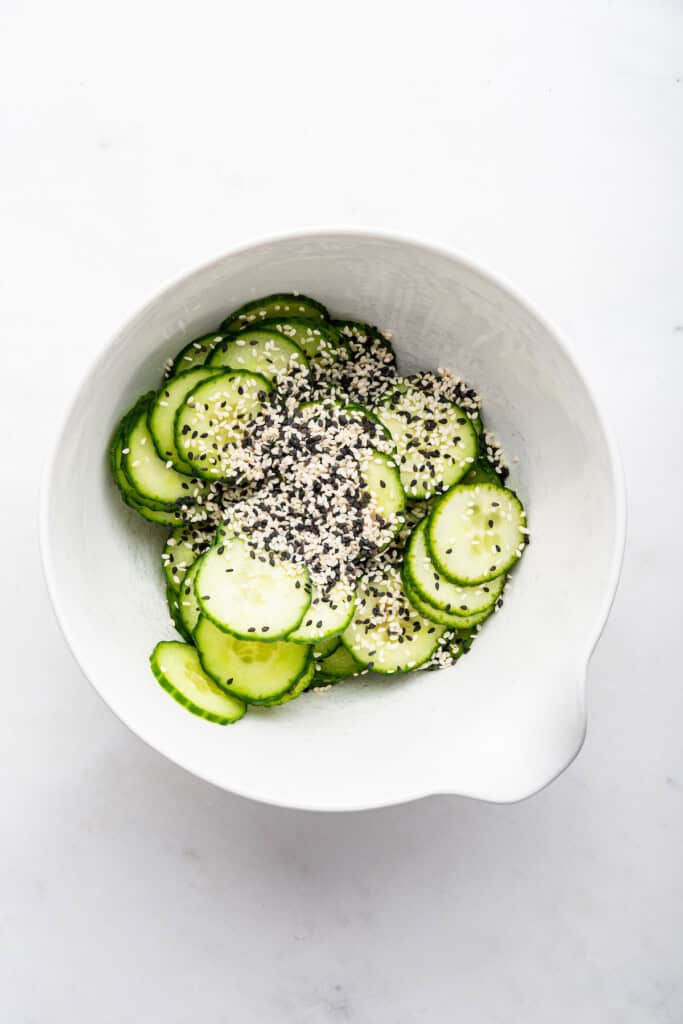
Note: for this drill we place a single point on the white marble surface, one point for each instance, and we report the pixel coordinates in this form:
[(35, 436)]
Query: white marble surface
[(545, 141)]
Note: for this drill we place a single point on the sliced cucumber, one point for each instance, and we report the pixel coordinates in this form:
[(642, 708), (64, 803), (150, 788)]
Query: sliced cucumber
[(273, 307), (163, 409), (435, 441), (174, 610), (339, 664), (440, 616), (178, 669), (482, 472), (148, 474), (210, 423), (253, 596), (161, 517), (255, 672), (302, 683), (476, 532), (314, 338), (188, 606), (154, 512), (383, 481), (325, 647), (386, 632), (260, 351), (434, 588), (327, 615), (194, 354), (182, 549)]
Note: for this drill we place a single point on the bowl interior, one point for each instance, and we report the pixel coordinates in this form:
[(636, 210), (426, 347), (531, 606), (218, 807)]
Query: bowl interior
[(511, 715)]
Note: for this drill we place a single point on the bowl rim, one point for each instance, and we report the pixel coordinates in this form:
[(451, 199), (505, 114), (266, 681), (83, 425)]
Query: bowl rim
[(432, 246)]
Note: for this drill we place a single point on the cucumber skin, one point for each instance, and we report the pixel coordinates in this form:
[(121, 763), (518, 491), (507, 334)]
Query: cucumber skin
[(172, 602), (165, 568), (153, 512), (337, 677), (155, 503), (438, 616), (231, 339), (209, 340), (321, 680), (500, 570), (411, 582), (299, 686), (168, 575), (183, 468), (186, 625), (482, 472), (336, 641), (393, 671), (168, 686), (336, 631), (329, 332), (232, 323), (258, 701)]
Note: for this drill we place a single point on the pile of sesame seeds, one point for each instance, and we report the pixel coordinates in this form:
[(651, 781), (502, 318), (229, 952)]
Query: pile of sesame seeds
[(313, 506), (368, 370), (297, 489)]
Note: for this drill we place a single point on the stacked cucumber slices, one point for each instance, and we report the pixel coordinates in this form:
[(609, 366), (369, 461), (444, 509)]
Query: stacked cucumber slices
[(328, 517)]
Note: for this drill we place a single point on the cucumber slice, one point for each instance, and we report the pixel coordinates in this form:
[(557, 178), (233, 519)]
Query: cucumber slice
[(476, 532), (435, 589), (327, 615), (314, 338), (325, 647), (163, 409), (161, 517), (148, 474), (255, 672), (260, 351), (435, 441), (118, 443), (272, 307), (302, 683), (178, 669), (156, 514), (482, 472), (188, 606), (194, 354), (340, 664), (253, 596), (174, 609), (182, 549), (210, 423), (440, 616), (383, 480), (386, 632)]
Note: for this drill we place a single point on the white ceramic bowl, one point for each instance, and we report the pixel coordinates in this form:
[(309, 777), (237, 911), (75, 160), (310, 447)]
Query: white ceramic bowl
[(501, 724)]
